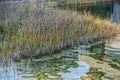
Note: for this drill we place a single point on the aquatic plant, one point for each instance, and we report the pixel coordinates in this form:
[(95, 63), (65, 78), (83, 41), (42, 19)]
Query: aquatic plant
[(32, 30)]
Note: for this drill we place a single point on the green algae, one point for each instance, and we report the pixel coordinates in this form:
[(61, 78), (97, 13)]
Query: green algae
[(114, 66), (91, 78), (95, 72), (56, 63)]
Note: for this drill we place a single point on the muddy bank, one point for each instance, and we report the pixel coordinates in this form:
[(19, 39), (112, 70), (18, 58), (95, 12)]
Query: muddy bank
[(108, 71)]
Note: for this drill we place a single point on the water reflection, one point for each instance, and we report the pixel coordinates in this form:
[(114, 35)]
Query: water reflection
[(103, 9), (115, 16), (76, 73), (99, 50), (110, 49), (9, 71)]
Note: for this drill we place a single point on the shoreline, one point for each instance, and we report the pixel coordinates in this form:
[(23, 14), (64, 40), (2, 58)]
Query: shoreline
[(101, 66)]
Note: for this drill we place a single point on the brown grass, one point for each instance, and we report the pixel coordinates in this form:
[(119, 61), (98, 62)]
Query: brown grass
[(31, 30)]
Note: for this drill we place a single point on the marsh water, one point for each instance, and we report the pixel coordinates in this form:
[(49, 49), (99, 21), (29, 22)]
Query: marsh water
[(66, 65)]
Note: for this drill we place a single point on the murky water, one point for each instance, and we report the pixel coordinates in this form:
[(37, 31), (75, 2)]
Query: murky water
[(111, 48), (66, 65)]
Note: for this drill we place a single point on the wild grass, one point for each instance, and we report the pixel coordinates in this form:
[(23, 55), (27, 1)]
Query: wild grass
[(31, 30)]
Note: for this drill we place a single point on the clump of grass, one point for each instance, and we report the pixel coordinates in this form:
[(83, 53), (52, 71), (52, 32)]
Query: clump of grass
[(95, 72), (34, 31)]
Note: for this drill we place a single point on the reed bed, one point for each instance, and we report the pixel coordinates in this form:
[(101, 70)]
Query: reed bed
[(31, 30)]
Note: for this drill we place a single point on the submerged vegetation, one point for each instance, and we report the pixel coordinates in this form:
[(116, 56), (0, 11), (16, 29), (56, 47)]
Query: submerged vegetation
[(32, 30)]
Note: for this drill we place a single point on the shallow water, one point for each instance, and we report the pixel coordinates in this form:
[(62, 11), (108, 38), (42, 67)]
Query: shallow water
[(67, 67), (76, 73)]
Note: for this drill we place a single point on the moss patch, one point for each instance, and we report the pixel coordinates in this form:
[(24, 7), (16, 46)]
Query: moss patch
[(91, 78), (114, 66)]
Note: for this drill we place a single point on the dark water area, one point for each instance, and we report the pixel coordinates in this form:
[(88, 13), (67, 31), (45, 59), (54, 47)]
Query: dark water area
[(98, 9), (103, 9), (115, 15), (66, 65), (111, 48)]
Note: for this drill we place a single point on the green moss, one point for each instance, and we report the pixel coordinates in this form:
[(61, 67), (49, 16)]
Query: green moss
[(94, 72), (116, 60), (28, 76), (47, 58), (114, 66), (91, 78), (45, 78)]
